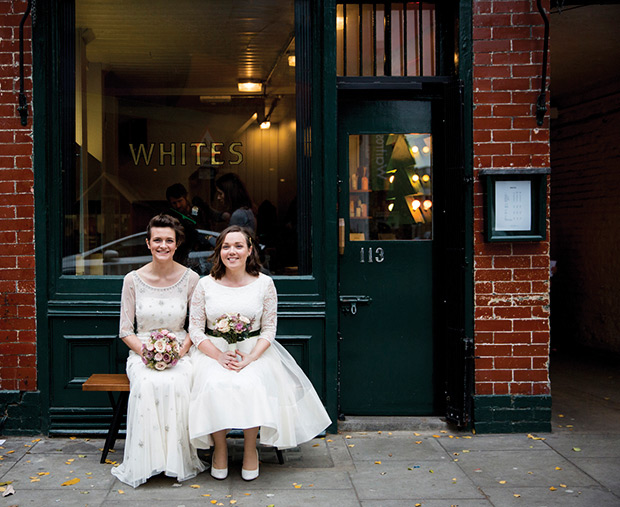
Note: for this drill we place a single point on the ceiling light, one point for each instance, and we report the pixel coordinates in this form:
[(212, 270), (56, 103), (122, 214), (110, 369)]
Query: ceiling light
[(291, 60), (265, 125), (250, 86)]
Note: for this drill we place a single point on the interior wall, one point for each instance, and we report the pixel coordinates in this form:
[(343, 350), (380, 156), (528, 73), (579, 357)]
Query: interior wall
[(585, 213)]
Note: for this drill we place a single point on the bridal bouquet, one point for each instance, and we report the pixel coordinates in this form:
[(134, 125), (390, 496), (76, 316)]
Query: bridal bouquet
[(161, 351), (233, 328)]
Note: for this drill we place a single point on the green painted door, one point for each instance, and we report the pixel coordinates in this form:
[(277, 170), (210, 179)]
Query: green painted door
[(385, 257)]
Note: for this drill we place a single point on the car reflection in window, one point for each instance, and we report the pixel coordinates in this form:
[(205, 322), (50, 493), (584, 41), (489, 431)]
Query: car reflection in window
[(123, 255)]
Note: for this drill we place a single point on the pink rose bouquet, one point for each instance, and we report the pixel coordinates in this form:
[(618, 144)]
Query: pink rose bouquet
[(232, 327), (161, 351)]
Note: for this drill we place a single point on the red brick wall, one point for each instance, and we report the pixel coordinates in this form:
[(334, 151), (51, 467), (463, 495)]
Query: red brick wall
[(17, 283), (511, 284), (585, 213)]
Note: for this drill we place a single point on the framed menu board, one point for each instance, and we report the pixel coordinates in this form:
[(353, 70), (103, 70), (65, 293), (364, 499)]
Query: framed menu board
[(515, 204)]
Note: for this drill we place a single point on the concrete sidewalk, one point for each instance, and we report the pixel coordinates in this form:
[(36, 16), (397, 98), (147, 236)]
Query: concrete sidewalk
[(364, 468), (578, 464)]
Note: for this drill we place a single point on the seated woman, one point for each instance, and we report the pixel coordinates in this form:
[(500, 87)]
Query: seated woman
[(261, 388), (234, 201), (157, 296)]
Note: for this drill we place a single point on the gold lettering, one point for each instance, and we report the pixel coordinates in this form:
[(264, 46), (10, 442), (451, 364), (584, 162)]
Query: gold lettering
[(141, 153), (232, 151), (198, 146), (163, 153), (183, 153), (214, 152)]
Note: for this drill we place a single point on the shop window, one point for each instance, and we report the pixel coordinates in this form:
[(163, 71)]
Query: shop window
[(386, 38), (193, 109)]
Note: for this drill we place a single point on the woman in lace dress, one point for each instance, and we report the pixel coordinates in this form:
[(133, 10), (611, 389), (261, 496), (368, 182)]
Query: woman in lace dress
[(156, 296), (258, 386)]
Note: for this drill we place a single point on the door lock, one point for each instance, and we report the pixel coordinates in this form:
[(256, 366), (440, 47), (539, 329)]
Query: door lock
[(348, 304)]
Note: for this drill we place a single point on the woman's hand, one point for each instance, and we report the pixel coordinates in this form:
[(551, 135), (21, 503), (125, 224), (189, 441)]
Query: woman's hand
[(227, 359), (245, 360), (185, 347)]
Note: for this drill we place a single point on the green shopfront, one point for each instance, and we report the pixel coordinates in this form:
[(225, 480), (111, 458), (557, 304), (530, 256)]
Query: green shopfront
[(345, 122)]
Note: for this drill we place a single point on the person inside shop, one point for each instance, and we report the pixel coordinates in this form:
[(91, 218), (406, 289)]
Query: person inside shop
[(157, 417), (192, 219), (231, 196), (243, 378)]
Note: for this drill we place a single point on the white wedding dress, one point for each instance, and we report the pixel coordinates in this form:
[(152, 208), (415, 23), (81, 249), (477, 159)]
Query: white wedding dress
[(157, 415), (272, 392)]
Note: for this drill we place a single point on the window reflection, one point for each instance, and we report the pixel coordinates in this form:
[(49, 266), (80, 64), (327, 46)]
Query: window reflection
[(161, 126), (390, 187)]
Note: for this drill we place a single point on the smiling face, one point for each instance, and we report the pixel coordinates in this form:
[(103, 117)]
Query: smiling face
[(235, 250), (162, 244)]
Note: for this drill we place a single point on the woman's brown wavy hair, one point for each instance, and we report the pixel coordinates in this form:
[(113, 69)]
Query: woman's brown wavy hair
[(252, 263)]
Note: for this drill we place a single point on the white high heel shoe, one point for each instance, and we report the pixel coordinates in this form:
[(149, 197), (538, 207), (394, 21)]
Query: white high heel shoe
[(218, 473), (250, 475)]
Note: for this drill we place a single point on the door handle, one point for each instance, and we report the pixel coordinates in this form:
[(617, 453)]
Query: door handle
[(348, 304), (341, 236)]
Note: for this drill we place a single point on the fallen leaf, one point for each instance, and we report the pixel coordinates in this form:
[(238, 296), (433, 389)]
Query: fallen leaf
[(534, 438), (431, 471), (228, 496), (436, 436), (558, 468), (233, 502), (552, 488), (8, 491), (576, 449), (10, 452), (418, 505), (316, 445), (71, 482), (443, 431), (502, 482), (214, 501), (2, 489), (27, 445), (195, 486), (377, 462), (569, 425), (35, 480), (311, 485), (418, 442), (89, 473), (562, 485), (121, 492), (81, 455), (416, 434), (206, 494), (43, 473), (348, 436), (517, 495), (72, 438), (379, 432), (297, 486), (329, 440), (351, 445)]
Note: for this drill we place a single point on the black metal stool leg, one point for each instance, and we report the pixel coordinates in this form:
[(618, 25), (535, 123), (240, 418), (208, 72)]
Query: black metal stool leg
[(119, 410), (280, 456)]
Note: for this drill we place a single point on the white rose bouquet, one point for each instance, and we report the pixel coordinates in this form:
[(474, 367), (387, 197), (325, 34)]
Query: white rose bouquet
[(233, 328), (161, 351)]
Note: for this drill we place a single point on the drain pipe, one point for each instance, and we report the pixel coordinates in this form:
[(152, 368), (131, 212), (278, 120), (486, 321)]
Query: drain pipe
[(23, 104), (541, 106)]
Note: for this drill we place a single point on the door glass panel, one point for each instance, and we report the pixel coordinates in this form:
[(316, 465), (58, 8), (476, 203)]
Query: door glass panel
[(192, 109), (390, 187)]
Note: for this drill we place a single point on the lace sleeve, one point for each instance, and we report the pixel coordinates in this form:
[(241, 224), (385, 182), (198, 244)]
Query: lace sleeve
[(128, 307), (194, 278), (269, 319), (197, 316)]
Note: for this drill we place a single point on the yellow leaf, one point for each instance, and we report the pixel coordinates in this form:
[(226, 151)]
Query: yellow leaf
[(2, 489), (502, 482), (89, 473), (576, 449), (43, 473), (348, 436), (416, 434), (316, 445), (418, 441), (431, 471), (10, 452), (418, 505), (467, 436), (72, 438), (443, 431), (35, 480), (311, 485), (377, 462), (389, 432), (121, 492), (329, 440), (558, 468), (569, 425), (195, 486), (228, 496), (351, 445), (451, 436), (466, 450), (213, 501), (534, 438), (233, 502), (562, 485), (206, 494), (27, 445), (248, 494), (552, 488), (297, 486), (81, 455), (379, 432), (436, 436), (517, 495), (36, 440), (71, 482)]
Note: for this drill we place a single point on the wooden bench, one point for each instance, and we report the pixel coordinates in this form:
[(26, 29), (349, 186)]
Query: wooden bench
[(118, 382), (110, 383)]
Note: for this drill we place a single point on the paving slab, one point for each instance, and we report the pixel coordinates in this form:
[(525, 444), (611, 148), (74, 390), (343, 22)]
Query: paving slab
[(605, 470), (460, 502), (414, 479), (590, 445), (542, 468), (543, 497)]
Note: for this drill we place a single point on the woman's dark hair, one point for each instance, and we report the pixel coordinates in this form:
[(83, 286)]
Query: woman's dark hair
[(163, 220), (235, 194), (252, 263)]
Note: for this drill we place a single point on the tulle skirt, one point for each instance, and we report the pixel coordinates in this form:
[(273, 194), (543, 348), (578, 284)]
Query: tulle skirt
[(272, 392), (157, 424)]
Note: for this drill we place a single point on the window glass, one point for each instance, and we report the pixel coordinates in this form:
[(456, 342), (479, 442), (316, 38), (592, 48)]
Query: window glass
[(188, 108), (390, 187)]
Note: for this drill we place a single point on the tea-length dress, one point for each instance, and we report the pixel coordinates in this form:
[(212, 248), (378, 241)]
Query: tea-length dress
[(157, 415), (272, 392)]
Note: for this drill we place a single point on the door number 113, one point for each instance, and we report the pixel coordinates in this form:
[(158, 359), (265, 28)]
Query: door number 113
[(376, 256)]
